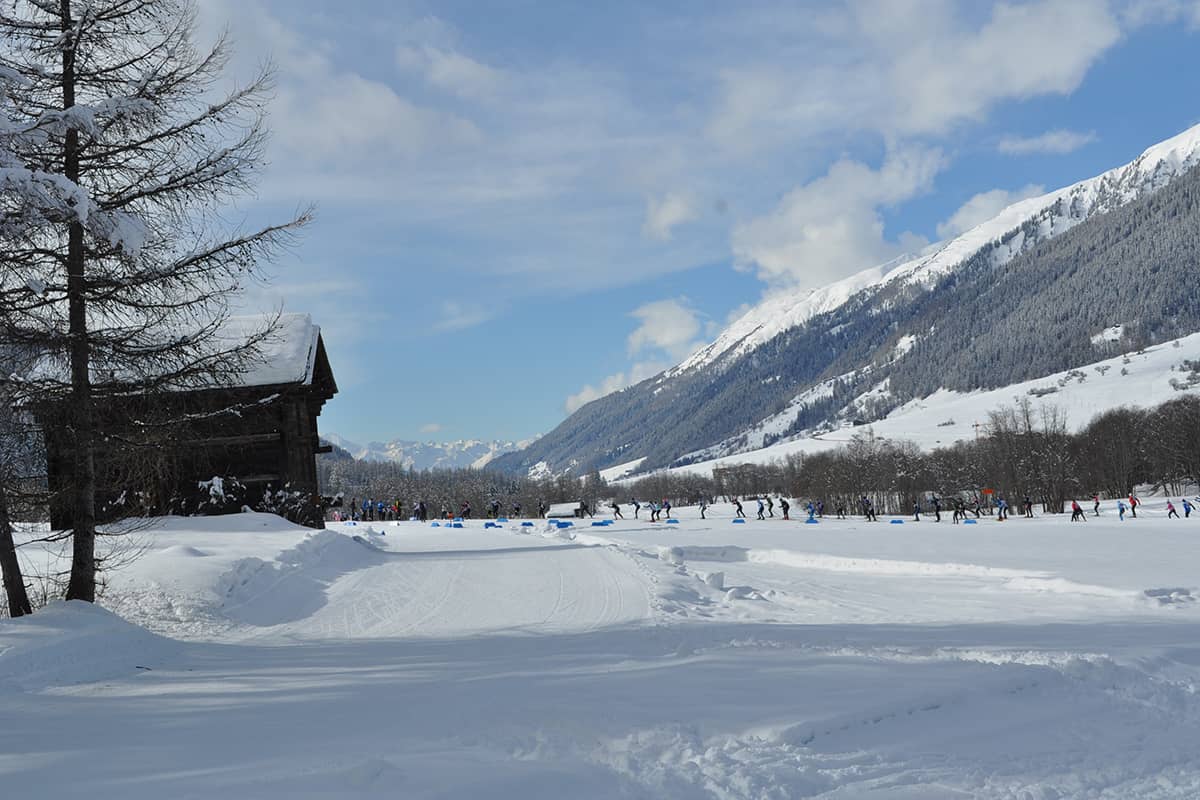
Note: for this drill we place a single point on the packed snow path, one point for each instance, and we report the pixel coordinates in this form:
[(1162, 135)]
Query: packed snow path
[(1034, 659)]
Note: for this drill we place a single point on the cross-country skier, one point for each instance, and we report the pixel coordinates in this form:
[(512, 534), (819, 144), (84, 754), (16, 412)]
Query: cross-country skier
[(1133, 504), (738, 513), (783, 504), (1187, 508), (1121, 510), (1095, 505), (1077, 512), (761, 507), (770, 506), (616, 509), (703, 507), (1171, 512), (636, 506)]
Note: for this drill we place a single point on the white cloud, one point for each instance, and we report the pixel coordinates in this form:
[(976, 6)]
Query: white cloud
[(901, 68), (348, 118), (451, 70), (1055, 142), (614, 383), (1158, 12), (831, 227), (455, 316), (431, 428), (663, 214), (667, 328), (670, 326), (953, 73), (983, 207)]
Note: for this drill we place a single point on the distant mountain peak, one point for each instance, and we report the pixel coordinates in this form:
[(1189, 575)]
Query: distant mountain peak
[(458, 454)]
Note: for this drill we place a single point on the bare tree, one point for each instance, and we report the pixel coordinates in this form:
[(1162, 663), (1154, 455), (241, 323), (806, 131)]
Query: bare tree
[(117, 266)]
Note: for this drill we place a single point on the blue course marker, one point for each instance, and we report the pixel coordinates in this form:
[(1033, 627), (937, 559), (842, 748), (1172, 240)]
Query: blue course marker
[(501, 519), (435, 525), (599, 524), (739, 522), (526, 524), (810, 522), (458, 525), (672, 522), (970, 522), (897, 522)]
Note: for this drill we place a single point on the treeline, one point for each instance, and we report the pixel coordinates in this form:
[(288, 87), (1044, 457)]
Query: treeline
[(340, 474), (1023, 451)]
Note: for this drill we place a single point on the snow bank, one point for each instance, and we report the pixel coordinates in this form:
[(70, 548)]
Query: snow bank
[(293, 586), (75, 642)]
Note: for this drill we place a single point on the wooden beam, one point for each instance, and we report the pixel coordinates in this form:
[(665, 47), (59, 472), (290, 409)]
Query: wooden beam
[(259, 479), (219, 441)]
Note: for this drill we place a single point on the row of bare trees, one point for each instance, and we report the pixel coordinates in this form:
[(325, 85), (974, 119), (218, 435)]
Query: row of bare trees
[(1025, 452), (119, 153)]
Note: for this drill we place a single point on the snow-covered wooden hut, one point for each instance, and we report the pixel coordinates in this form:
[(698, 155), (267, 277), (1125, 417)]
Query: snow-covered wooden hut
[(260, 428)]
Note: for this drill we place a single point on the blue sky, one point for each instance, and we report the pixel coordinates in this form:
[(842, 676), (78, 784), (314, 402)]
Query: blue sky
[(524, 204)]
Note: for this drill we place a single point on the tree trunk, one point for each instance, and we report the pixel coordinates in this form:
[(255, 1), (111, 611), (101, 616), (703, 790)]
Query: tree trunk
[(10, 567), (82, 584)]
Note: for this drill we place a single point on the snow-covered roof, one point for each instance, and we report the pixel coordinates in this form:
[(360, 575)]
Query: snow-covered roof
[(288, 355)]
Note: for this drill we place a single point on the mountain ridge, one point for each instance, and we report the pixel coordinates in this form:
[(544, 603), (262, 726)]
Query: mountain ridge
[(421, 455)]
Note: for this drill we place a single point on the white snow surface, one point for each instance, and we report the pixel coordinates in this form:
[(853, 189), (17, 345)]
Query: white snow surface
[(785, 309), (243, 656), (287, 356)]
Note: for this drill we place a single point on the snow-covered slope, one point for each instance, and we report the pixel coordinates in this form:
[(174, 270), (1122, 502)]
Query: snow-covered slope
[(1056, 212), (1143, 379), (782, 310), (428, 455)]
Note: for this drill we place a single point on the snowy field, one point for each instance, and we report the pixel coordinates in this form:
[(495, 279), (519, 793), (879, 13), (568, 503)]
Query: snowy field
[(243, 657)]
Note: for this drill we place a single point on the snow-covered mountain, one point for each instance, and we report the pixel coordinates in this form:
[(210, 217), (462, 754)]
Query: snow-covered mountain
[(1036, 290), (428, 455), (1054, 213)]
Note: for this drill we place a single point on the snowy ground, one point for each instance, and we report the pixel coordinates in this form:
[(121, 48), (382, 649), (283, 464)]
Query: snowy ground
[(247, 658)]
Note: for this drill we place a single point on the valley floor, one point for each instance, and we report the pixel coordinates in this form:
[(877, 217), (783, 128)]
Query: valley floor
[(243, 657)]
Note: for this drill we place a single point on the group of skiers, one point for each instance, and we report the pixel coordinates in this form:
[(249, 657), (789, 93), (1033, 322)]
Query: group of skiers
[(378, 510)]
